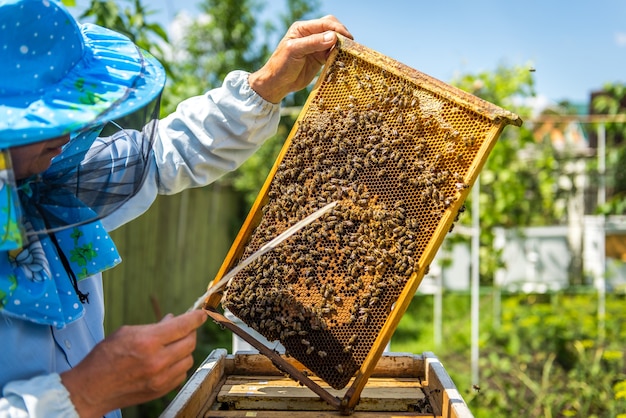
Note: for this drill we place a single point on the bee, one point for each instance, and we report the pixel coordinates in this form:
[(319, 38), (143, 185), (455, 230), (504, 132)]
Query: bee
[(339, 368), (399, 231), (469, 141), (322, 354), (310, 349)]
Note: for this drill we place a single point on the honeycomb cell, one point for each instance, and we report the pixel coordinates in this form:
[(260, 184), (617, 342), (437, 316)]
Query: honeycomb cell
[(398, 151)]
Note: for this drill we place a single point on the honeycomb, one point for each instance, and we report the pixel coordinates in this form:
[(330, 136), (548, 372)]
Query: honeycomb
[(397, 150)]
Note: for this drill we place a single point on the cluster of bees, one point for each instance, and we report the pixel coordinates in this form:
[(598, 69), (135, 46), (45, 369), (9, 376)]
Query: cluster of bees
[(390, 155)]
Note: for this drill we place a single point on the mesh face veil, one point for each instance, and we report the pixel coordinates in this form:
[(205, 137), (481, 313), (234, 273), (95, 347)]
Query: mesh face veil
[(99, 170), (79, 80), (50, 236)]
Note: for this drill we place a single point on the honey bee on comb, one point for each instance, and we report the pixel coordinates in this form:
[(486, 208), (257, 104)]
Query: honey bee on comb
[(398, 151)]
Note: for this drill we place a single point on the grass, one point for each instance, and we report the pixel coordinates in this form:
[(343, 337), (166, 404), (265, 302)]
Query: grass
[(543, 355)]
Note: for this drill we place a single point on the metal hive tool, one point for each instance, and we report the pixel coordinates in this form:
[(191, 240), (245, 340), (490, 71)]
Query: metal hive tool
[(398, 151)]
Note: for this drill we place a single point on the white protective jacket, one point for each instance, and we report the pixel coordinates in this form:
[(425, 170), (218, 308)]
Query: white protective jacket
[(206, 137)]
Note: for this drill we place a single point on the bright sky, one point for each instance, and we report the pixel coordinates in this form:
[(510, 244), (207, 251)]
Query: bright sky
[(576, 46)]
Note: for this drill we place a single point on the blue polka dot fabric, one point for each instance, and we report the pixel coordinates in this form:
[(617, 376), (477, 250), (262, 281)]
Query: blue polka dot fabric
[(58, 76), (35, 285)]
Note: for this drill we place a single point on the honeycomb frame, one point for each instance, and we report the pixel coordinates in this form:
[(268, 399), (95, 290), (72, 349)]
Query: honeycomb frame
[(399, 151)]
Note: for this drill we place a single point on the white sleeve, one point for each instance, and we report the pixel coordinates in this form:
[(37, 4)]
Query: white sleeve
[(40, 397), (210, 135), (206, 137)]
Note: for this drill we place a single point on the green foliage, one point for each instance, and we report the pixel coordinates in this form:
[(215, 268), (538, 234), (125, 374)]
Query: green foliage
[(524, 182), (546, 359), (130, 20), (222, 41), (249, 178)]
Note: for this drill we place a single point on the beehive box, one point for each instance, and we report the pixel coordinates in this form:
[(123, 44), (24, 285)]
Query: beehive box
[(248, 385), (397, 151)]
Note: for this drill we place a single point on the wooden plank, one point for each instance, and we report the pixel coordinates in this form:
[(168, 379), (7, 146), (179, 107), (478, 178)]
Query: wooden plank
[(389, 365), (311, 414), (444, 397), (287, 382), (399, 365), (253, 363), (272, 393), (200, 390)]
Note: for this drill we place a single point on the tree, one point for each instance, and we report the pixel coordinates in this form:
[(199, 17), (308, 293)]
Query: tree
[(132, 22), (518, 184), (250, 177), (225, 36)]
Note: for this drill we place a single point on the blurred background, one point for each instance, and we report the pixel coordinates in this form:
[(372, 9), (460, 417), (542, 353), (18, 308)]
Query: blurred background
[(528, 322)]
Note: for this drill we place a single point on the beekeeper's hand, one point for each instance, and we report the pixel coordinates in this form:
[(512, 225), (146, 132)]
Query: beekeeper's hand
[(298, 58), (133, 365)]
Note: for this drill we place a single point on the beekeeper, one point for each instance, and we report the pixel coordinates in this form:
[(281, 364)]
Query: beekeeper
[(81, 153)]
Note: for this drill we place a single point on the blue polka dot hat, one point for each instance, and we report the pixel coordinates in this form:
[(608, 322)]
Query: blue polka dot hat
[(58, 76)]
